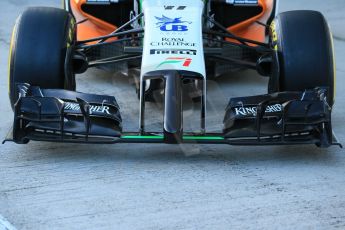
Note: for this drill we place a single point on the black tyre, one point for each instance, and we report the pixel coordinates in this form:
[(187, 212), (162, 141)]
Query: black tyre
[(304, 53), (40, 51)]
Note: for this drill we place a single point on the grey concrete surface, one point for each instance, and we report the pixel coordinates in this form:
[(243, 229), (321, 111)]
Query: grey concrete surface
[(61, 186)]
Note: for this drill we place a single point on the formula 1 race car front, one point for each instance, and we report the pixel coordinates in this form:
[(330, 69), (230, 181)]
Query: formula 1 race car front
[(172, 43)]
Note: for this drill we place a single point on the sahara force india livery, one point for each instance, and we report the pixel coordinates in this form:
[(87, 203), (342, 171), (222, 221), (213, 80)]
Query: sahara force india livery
[(171, 43)]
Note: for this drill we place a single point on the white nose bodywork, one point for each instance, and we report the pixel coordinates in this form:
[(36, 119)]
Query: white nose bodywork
[(173, 36)]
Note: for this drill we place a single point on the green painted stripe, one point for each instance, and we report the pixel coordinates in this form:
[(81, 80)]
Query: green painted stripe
[(141, 6), (142, 137), (168, 62), (202, 138)]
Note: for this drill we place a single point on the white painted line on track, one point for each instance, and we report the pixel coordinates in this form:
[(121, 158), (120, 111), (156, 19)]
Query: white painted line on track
[(5, 225)]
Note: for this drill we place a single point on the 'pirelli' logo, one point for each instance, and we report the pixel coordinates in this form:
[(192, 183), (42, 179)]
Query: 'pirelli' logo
[(173, 51)]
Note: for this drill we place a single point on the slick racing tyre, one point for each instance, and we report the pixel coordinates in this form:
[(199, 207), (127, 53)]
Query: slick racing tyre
[(40, 50), (303, 53)]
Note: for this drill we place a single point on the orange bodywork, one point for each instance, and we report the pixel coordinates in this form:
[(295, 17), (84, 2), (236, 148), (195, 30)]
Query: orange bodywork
[(95, 27), (92, 27), (250, 29)]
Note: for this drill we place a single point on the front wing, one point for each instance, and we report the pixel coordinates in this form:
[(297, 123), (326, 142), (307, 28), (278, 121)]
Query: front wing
[(275, 119)]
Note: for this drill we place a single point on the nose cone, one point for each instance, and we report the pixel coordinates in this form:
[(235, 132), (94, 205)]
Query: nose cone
[(173, 36)]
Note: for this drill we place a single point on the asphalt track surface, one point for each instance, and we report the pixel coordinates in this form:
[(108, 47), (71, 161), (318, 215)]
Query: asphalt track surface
[(62, 186)]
